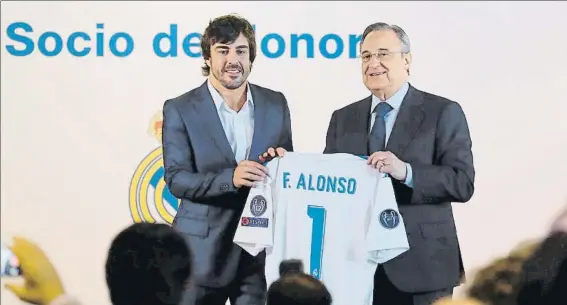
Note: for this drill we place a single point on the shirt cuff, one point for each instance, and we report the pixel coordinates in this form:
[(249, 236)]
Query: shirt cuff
[(409, 176), (65, 300)]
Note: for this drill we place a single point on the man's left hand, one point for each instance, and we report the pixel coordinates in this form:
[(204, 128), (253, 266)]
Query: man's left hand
[(387, 163), (272, 153)]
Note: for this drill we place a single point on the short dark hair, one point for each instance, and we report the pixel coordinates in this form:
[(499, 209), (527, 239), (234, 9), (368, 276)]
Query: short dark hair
[(226, 29), (147, 264), (291, 266), (298, 289)]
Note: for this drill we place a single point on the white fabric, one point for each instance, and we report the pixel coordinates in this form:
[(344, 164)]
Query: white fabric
[(332, 211)]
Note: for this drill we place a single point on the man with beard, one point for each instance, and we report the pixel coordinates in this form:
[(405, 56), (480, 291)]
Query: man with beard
[(213, 137)]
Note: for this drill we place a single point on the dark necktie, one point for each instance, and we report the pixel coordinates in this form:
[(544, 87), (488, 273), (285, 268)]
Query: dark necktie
[(377, 138)]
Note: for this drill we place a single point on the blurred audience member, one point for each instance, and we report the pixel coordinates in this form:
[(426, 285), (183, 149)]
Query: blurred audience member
[(544, 275), (42, 285), (148, 264), (558, 291), (495, 283), (297, 288), (290, 267)]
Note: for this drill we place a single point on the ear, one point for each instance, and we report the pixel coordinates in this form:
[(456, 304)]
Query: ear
[(407, 60), (208, 62)]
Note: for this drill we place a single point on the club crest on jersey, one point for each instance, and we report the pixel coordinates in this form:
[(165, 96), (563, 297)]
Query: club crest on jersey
[(258, 205), (254, 222), (389, 219)]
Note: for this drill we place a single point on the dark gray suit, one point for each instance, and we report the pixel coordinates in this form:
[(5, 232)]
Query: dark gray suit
[(199, 167), (431, 134)]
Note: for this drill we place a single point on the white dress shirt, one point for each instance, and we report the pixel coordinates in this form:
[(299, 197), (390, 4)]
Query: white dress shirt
[(238, 126)]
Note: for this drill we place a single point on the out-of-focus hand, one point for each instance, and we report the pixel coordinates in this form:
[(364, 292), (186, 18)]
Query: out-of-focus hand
[(248, 173), (41, 282), (272, 153)]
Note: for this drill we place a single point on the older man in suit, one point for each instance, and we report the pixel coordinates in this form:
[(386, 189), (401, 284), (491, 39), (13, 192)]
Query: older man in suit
[(213, 137), (423, 142)]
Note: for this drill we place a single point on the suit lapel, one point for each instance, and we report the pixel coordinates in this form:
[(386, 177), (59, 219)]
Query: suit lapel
[(407, 123), (361, 124), (262, 129), (354, 138), (206, 113)]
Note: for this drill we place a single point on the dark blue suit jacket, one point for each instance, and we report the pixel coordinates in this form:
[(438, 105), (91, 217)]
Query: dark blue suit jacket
[(431, 133), (199, 167)]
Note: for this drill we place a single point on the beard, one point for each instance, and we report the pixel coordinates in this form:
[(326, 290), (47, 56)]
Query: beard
[(230, 80)]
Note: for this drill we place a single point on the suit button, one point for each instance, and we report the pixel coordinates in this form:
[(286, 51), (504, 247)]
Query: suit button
[(224, 187)]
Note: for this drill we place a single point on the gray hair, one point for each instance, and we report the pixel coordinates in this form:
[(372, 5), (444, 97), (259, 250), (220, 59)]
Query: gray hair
[(381, 26)]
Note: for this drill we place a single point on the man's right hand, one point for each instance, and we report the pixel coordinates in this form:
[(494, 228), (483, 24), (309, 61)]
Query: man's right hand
[(248, 173)]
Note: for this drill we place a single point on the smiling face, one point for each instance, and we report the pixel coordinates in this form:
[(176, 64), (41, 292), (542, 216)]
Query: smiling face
[(230, 63), (384, 65)]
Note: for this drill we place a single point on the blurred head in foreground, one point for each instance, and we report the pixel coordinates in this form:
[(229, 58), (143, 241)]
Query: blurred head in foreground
[(496, 282), (297, 288), (544, 274), (147, 264)]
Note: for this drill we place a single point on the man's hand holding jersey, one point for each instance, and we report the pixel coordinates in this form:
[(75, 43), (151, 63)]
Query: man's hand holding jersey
[(271, 153), (248, 173), (387, 163)]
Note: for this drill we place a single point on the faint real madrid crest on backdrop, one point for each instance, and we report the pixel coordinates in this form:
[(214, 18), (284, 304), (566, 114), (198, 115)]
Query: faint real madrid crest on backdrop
[(150, 199)]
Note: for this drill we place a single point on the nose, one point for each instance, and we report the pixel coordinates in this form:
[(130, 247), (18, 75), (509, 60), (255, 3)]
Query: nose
[(374, 62), (232, 56)]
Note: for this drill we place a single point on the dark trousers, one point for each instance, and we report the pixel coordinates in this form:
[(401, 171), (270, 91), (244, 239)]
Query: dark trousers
[(248, 288), (385, 293)]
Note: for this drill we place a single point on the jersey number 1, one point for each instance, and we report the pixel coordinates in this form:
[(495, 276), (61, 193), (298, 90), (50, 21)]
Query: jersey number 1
[(318, 214)]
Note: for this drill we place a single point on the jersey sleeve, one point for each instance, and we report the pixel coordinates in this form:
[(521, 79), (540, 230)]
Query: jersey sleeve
[(386, 237), (255, 229)]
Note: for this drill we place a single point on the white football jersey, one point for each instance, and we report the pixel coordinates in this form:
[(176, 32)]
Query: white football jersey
[(333, 212)]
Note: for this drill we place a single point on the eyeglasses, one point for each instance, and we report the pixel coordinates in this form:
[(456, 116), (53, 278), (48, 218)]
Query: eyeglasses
[(380, 55)]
